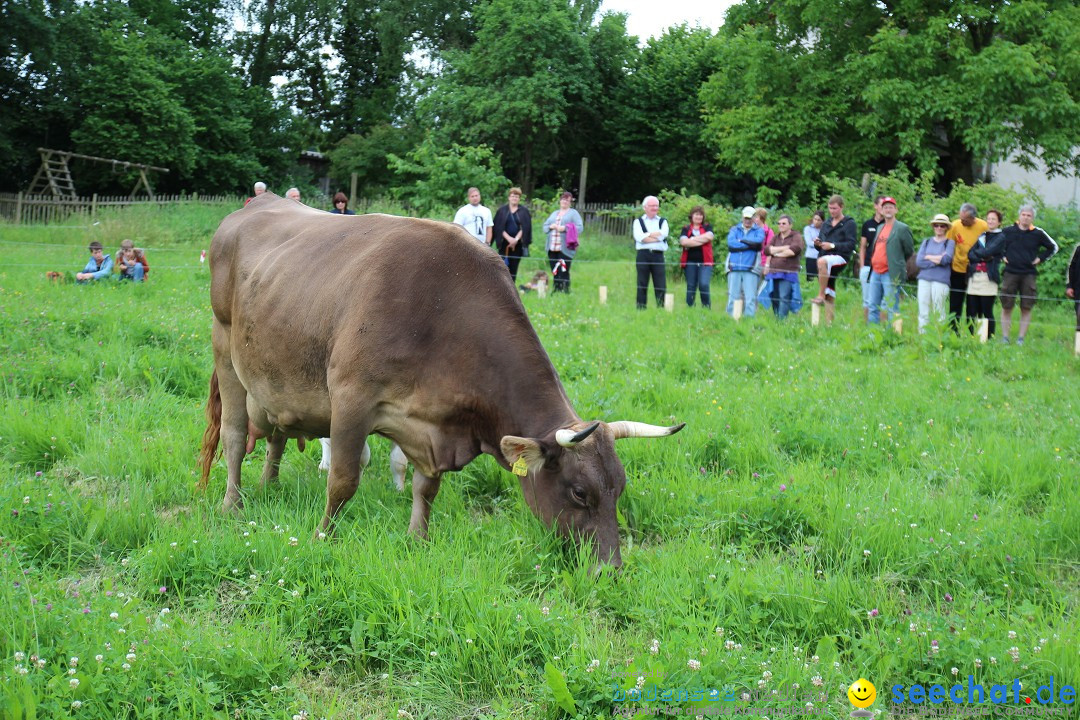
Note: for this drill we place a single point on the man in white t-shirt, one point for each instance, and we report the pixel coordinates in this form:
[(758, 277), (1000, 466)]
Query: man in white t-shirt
[(475, 218)]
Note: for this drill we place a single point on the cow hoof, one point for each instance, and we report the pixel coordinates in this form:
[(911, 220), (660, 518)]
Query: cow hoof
[(232, 505), (324, 467)]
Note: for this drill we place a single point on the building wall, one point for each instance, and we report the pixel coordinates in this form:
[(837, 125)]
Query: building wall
[(1058, 190)]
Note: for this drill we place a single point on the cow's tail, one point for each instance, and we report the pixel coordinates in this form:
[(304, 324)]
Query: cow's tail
[(212, 436)]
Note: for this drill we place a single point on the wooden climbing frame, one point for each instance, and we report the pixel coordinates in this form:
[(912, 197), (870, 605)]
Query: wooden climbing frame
[(54, 175)]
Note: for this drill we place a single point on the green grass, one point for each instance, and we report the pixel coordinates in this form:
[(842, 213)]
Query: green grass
[(824, 473)]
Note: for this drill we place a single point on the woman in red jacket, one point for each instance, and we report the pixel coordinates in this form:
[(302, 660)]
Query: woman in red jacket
[(697, 256)]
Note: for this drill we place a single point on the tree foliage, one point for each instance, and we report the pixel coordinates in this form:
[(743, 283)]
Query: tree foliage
[(437, 177), (99, 80), (515, 86), (369, 156), (659, 124), (786, 95), (811, 86)]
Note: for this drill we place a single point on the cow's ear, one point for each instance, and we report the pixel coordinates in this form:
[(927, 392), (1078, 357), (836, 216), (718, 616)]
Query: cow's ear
[(518, 448)]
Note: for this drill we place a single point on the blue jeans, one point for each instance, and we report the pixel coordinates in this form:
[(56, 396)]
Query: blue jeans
[(782, 292), (135, 272), (765, 297), (742, 285), (697, 278), (864, 280), (882, 291)]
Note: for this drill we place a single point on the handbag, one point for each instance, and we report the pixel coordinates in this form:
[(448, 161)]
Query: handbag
[(572, 237)]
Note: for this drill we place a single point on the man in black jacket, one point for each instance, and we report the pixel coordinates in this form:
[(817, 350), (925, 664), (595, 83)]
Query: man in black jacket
[(835, 245), (1026, 247)]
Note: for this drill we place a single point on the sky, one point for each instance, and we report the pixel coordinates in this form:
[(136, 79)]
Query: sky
[(649, 18)]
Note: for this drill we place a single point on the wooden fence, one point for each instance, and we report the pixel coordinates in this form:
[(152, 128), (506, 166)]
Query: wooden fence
[(20, 208), (609, 218)]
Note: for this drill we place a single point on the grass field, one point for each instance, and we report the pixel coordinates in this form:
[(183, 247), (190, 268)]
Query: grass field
[(843, 503)]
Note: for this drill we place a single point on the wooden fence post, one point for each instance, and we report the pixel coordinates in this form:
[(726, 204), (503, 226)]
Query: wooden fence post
[(18, 209), (581, 183), (352, 191), (93, 207)]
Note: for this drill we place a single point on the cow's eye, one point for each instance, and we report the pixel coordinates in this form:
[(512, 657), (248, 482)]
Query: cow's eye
[(578, 493)]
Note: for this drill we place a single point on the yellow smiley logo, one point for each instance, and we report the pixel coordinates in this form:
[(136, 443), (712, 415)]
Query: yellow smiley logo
[(862, 693)]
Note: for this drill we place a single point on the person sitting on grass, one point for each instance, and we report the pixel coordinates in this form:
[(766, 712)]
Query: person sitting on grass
[(132, 262), (99, 267)]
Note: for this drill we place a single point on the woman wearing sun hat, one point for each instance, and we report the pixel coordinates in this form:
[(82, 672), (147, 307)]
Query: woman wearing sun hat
[(935, 268)]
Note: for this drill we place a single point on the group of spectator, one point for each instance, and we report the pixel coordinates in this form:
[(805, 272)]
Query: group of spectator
[(961, 267), (958, 266), (510, 230)]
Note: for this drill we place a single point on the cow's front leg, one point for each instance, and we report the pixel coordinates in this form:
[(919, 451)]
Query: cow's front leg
[(275, 447), (424, 490), (346, 469)]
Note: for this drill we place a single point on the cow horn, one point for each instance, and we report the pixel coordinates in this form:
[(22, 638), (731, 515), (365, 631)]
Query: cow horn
[(569, 438), (628, 429)]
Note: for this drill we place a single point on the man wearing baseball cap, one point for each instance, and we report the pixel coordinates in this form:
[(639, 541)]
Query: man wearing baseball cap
[(887, 257), (744, 243)]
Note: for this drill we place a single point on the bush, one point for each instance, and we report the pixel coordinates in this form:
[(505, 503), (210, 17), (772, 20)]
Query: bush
[(440, 177)]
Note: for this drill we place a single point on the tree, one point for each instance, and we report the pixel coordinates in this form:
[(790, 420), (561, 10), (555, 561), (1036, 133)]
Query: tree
[(33, 99), (595, 126), (513, 88), (781, 106), (368, 156), (131, 110), (812, 86), (439, 177), (659, 125), (983, 82)]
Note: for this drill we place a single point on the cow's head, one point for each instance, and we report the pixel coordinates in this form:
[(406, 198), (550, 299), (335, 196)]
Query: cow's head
[(573, 479)]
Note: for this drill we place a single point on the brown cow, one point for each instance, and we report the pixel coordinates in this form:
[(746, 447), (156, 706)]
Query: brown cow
[(342, 326)]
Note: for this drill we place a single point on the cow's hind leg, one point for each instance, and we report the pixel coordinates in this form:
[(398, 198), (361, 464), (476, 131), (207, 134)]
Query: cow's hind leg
[(275, 447), (424, 490), (351, 456), (234, 434), (234, 416)]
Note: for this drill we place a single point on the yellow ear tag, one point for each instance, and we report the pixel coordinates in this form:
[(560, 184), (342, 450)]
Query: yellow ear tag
[(520, 467)]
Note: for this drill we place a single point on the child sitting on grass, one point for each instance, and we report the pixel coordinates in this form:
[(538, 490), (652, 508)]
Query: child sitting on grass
[(133, 265), (539, 277), (99, 267)]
